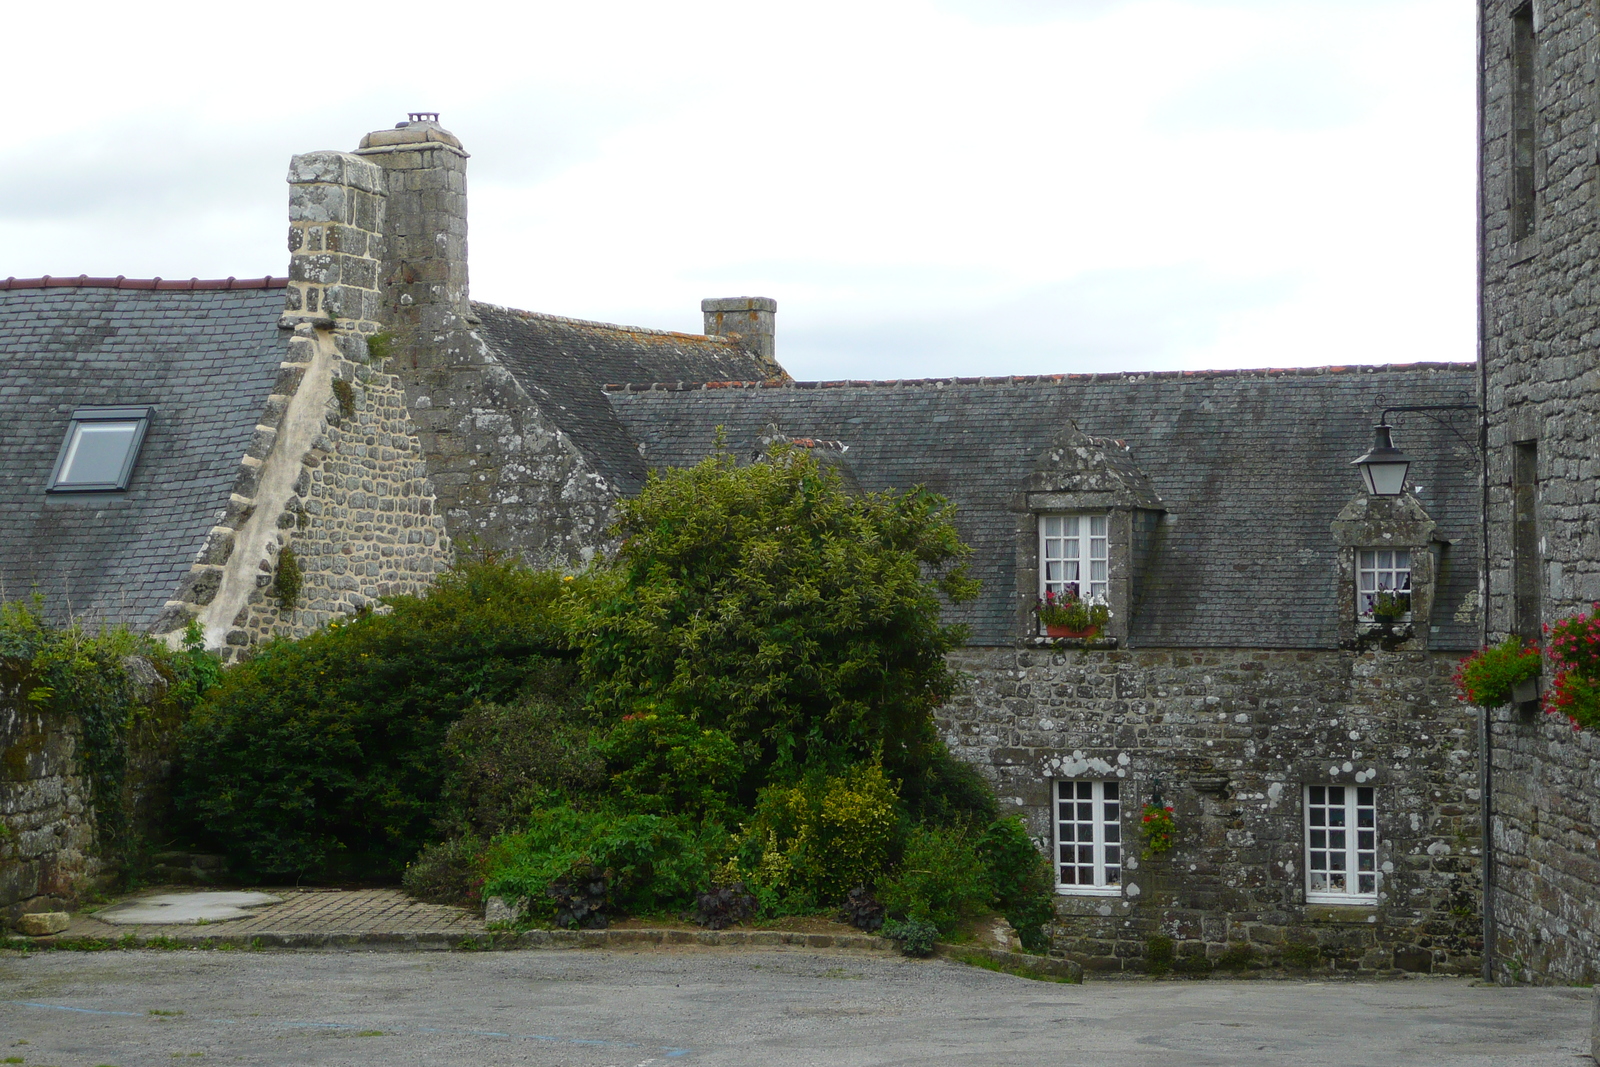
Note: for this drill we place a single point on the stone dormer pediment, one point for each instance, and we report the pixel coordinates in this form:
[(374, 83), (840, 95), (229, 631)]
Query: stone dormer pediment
[(1078, 471)]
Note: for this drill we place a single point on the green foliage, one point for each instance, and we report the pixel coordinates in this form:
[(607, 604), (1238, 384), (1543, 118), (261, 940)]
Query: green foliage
[(91, 677), (1487, 677), (1302, 957), (652, 862), (776, 606), (662, 763), (1070, 610), (1159, 952), (940, 879), (322, 756), (345, 394), (380, 346), (1574, 646), (913, 936), (812, 842), (1158, 828), (286, 583), (447, 872), (1020, 880), (503, 761), (946, 791), (1237, 957)]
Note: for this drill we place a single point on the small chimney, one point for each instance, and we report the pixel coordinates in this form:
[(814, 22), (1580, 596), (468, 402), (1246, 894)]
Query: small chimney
[(749, 318)]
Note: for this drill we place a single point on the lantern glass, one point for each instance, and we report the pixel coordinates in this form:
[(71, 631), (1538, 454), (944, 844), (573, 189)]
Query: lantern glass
[(1384, 467)]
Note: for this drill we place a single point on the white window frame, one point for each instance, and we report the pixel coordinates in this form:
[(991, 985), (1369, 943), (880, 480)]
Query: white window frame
[(1101, 825), (1358, 853), (1076, 547), (1371, 577)]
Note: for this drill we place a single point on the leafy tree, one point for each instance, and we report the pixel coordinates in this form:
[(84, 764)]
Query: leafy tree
[(768, 602)]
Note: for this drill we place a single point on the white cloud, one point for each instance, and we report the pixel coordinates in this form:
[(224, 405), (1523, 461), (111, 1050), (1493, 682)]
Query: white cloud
[(926, 187)]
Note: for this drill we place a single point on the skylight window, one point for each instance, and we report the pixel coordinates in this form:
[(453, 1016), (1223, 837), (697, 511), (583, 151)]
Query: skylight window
[(101, 447)]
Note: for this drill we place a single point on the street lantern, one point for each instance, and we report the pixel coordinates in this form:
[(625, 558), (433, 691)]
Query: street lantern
[(1384, 467)]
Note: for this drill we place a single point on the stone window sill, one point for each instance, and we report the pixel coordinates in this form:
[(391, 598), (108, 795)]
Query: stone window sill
[(1523, 250), (1069, 642)]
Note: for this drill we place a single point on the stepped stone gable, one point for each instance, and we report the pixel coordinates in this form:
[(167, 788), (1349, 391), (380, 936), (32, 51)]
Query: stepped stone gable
[(1540, 252), (1252, 467), (205, 359)]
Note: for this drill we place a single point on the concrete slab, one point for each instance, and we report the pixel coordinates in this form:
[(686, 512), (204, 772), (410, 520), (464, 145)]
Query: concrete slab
[(175, 909)]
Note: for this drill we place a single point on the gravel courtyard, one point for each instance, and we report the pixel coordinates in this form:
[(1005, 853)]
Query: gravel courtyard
[(738, 1008)]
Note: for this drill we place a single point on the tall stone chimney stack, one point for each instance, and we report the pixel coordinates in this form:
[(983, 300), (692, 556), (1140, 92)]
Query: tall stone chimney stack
[(750, 318), (424, 272)]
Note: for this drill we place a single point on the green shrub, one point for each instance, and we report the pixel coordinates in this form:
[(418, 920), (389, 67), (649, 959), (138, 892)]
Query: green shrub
[(1236, 957), (447, 872), (1487, 677), (1019, 880), (947, 791), (940, 879), (504, 761), (811, 843), (1302, 957), (914, 937), (286, 582), (322, 756), (662, 763), (773, 604), (652, 862)]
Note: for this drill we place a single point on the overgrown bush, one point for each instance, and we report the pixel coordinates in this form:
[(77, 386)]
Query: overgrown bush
[(652, 863), (321, 756), (940, 879), (503, 761), (772, 604), (1020, 880), (664, 763), (447, 872), (811, 842)]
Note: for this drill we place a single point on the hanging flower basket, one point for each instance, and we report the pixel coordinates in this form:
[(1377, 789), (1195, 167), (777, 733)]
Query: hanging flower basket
[(1157, 827), (1573, 646)]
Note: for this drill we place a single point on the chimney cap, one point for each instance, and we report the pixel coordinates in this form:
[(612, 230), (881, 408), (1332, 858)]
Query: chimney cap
[(421, 127), (738, 303)]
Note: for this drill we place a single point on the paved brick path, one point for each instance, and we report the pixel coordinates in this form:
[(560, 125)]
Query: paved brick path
[(326, 912)]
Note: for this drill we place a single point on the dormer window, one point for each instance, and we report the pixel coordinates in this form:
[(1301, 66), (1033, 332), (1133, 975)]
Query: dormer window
[(1380, 571), (1074, 556), (101, 447)]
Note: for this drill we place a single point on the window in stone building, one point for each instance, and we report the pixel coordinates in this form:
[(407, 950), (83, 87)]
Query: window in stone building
[(1341, 844), (1382, 570), (100, 449), (1074, 554), (1524, 116), (1089, 837), (1527, 591)]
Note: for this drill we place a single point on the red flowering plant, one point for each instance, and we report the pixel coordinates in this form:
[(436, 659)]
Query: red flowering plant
[(1487, 677), (1573, 646), (1157, 827), (1067, 610)]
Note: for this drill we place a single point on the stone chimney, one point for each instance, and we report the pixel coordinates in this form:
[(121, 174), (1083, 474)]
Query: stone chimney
[(424, 270), (336, 221), (749, 318)]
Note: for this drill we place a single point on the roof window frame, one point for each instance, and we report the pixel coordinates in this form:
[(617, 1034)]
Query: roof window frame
[(140, 415)]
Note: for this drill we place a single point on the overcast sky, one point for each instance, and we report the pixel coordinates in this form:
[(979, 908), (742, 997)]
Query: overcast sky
[(926, 187)]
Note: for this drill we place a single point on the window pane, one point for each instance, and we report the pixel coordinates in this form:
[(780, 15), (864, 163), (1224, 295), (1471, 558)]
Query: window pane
[(1111, 790), (97, 453), (1097, 526)]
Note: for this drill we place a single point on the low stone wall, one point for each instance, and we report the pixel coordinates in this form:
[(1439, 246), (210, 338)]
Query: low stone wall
[(1546, 798), (47, 844), (1232, 736)]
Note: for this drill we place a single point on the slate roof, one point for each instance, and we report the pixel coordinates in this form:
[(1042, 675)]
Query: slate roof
[(1253, 467), (203, 354), (563, 363)]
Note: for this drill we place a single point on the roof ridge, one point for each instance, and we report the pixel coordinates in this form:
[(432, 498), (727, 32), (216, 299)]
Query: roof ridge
[(569, 321), (1033, 379), (83, 281)]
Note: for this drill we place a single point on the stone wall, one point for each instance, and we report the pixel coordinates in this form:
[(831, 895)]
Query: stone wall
[(1232, 736), (1539, 324), (48, 837)]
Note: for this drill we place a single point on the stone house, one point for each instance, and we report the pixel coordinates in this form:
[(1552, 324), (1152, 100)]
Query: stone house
[(363, 417), (1539, 248)]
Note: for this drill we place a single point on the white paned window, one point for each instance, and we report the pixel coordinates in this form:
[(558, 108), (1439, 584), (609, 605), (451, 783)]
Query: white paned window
[(1341, 844), (1089, 837), (1380, 570), (1073, 555)]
